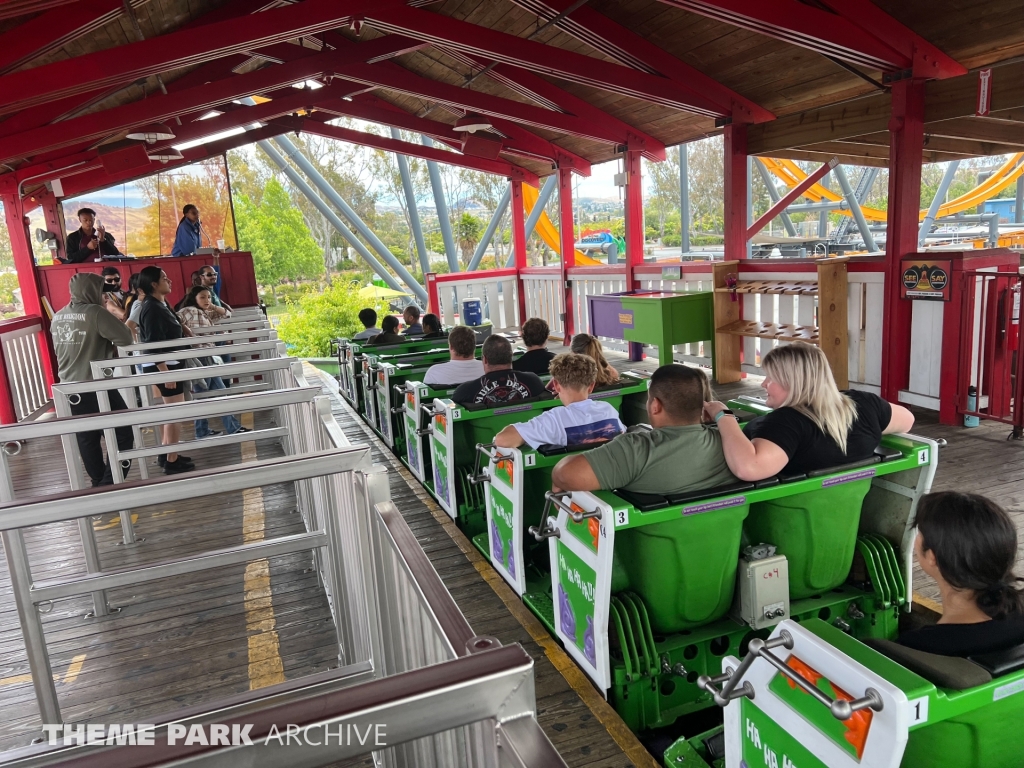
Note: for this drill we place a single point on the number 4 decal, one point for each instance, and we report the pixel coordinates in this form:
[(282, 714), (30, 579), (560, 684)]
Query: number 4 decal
[(621, 517), (922, 456)]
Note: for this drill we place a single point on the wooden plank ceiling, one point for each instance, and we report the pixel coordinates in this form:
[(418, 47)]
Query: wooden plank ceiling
[(822, 106)]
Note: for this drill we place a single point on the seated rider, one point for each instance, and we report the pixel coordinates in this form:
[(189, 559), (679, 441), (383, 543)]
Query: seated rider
[(968, 544), (679, 454), (537, 358), (388, 333), (813, 426), (499, 384), (463, 366), (368, 317), (580, 420), (411, 316), (432, 327), (585, 344)]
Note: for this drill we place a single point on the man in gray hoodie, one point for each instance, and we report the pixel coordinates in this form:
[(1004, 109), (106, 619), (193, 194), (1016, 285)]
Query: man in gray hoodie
[(82, 332)]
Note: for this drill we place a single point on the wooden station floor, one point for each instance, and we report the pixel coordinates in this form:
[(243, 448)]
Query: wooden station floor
[(178, 641)]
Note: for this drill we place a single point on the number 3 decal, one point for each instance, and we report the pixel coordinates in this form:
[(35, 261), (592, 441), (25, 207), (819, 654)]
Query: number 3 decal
[(621, 517)]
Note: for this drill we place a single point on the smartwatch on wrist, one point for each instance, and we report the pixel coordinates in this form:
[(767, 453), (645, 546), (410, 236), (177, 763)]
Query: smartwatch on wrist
[(724, 412)]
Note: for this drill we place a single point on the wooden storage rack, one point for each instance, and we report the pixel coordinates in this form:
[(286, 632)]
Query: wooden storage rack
[(730, 328)]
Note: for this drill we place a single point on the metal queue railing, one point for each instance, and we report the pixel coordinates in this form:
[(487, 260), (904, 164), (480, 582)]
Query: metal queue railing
[(334, 469)]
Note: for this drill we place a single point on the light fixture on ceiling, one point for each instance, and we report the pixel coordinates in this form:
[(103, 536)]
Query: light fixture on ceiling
[(152, 133), (166, 155), (471, 123)]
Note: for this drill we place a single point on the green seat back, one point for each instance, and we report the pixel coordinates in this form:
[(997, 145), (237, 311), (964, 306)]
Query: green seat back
[(816, 531), (986, 737), (685, 570)]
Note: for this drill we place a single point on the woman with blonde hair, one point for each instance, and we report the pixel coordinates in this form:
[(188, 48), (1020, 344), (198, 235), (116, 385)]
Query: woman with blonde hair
[(813, 424), (585, 344)]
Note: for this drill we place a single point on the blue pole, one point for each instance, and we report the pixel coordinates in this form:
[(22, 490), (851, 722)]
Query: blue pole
[(410, 201), (442, 210), (542, 200), (338, 202), (330, 215), (474, 263), (940, 195)]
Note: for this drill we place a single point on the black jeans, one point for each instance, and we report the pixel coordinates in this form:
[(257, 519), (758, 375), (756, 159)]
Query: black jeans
[(89, 442)]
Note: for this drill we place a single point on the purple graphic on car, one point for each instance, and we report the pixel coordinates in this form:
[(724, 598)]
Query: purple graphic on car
[(589, 650), (511, 563), (567, 618), (497, 551)]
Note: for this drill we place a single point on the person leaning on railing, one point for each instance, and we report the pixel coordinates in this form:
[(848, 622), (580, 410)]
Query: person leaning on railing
[(85, 331), (157, 322)]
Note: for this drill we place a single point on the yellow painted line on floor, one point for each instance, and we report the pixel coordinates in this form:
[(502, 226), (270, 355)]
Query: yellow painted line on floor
[(265, 664), (560, 660), (926, 602), (69, 677), (113, 522)]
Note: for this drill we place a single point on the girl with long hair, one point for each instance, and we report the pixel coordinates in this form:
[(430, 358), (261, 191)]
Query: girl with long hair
[(813, 424), (968, 544)]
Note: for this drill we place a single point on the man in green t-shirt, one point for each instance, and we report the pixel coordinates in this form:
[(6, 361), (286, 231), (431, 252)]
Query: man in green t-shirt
[(679, 454)]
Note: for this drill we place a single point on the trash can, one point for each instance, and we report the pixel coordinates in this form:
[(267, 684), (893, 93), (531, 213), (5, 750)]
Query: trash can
[(472, 313)]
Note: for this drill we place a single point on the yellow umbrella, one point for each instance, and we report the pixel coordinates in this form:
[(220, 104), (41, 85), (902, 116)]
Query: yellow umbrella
[(379, 292)]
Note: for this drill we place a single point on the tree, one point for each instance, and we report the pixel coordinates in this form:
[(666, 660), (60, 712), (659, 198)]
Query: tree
[(316, 318), (488, 189), (468, 233), (203, 184), (707, 169), (663, 187), (282, 248)]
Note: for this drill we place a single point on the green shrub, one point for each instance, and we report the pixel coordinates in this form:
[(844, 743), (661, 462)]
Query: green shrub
[(8, 285), (315, 318)]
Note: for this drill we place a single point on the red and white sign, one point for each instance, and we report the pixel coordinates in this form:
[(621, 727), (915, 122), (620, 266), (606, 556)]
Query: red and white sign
[(984, 92)]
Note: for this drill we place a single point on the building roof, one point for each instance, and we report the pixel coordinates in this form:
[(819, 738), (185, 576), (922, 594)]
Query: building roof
[(565, 82)]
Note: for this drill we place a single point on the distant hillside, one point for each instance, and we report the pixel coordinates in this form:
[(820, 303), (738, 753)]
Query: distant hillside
[(113, 218)]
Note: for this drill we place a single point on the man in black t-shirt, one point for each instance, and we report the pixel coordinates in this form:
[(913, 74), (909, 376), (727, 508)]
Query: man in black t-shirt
[(87, 243), (499, 384), (537, 358)]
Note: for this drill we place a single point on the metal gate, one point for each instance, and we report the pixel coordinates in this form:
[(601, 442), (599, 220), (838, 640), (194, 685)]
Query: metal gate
[(988, 343)]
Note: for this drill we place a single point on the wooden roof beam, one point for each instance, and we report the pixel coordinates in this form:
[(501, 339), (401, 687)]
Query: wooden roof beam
[(978, 129), (128, 63), (540, 90), (393, 77), (164, 107), (10, 9), (539, 58), (54, 29), (521, 142), (855, 31), (83, 182), (632, 50), (944, 100), (410, 149)]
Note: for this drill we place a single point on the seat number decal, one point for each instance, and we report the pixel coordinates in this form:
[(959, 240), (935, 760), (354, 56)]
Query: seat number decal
[(918, 710), (922, 457), (621, 517)]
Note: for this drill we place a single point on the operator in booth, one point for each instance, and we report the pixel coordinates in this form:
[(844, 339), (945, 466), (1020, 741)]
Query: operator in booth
[(88, 242)]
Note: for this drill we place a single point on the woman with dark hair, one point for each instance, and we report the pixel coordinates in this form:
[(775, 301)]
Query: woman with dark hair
[(432, 327), (188, 238), (158, 323), (968, 544), (195, 313)]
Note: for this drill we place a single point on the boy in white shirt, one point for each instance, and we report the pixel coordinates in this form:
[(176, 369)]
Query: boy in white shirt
[(463, 366), (580, 420)]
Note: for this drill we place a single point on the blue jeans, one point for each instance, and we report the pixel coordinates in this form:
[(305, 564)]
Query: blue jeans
[(231, 423)]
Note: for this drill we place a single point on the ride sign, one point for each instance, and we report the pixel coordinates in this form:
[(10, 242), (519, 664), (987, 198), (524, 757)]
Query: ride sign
[(925, 278)]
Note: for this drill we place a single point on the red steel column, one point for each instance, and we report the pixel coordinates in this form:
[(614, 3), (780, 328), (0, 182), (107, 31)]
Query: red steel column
[(735, 191), (28, 281), (567, 235), (634, 232), (906, 138), (519, 244)]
